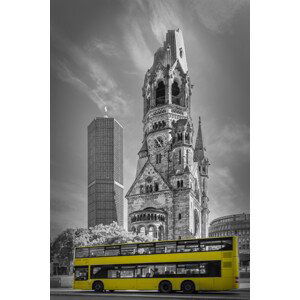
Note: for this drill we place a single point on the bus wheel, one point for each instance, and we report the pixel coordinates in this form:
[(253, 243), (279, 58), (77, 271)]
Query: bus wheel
[(98, 286), (188, 286), (165, 286)]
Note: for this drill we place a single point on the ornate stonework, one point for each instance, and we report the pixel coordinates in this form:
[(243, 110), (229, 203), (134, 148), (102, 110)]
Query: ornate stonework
[(168, 198)]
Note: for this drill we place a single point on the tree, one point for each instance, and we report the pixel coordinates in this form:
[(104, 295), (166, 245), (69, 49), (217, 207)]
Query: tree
[(61, 249), (108, 234)]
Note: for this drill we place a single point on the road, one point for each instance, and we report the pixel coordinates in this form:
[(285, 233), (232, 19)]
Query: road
[(240, 294)]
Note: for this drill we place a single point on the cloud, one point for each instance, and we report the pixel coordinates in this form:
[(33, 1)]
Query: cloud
[(137, 46), (107, 48), (162, 15), (86, 73), (229, 141), (225, 194), (228, 150), (217, 15), (67, 199)]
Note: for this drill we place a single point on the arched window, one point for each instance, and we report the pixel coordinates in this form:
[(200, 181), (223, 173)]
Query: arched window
[(179, 136), (151, 231), (175, 89), (160, 233), (179, 216), (160, 94), (179, 157), (175, 93), (142, 230), (187, 137), (155, 186), (187, 156)]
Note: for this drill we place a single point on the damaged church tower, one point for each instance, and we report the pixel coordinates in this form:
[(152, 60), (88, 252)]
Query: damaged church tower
[(168, 198)]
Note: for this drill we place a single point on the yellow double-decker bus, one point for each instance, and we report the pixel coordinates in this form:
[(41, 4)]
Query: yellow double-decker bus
[(183, 265)]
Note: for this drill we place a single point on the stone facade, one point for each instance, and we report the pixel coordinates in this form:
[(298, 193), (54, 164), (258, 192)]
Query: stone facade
[(168, 198)]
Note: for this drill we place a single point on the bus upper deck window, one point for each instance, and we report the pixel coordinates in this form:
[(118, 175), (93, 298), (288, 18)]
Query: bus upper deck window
[(97, 251), (112, 250), (170, 248), (188, 246), (227, 244), (82, 252), (211, 245), (128, 249), (146, 249)]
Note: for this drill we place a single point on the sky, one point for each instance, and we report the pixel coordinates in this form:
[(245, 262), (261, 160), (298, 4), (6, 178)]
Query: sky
[(100, 52)]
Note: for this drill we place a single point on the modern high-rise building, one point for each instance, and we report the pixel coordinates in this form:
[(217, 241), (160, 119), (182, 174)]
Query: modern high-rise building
[(105, 172), (168, 198)]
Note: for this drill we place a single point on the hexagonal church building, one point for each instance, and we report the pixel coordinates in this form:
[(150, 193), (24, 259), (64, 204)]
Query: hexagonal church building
[(168, 198)]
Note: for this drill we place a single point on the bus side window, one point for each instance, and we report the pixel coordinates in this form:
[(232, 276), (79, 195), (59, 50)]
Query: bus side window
[(159, 249), (128, 249), (226, 244), (82, 252), (170, 248), (146, 249), (211, 245), (165, 269), (81, 273), (97, 251), (144, 271), (112, 250), (191, 246), (114, 273), (126, 273), (187, 246), (214, 269), (99, 271), (192, 269)]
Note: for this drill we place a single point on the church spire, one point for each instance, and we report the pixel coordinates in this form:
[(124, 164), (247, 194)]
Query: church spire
[(199, 148)]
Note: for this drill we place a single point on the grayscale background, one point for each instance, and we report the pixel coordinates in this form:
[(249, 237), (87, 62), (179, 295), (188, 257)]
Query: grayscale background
[(100, 52)]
